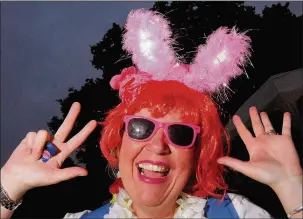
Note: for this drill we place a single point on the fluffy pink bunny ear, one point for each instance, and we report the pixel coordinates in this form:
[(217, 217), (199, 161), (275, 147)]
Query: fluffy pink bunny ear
[(222, 58), (147, 38)]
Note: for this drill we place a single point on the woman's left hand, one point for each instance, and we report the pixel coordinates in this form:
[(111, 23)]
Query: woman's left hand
[(273, 158)]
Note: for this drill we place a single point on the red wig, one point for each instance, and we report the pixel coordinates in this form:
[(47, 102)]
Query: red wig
[(161, 97)]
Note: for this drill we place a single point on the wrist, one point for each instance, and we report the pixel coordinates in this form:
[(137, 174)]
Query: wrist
[(289, 193), (13, 187), (290, 184)]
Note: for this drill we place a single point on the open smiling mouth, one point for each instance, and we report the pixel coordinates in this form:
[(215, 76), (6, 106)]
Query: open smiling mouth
[(153, 171)]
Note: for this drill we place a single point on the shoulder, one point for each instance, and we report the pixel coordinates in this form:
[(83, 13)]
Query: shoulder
[(232, 206), (76, 215), (245, 208), (98, 213)]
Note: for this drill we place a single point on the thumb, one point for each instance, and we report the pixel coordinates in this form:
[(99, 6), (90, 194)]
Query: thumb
[(69, 173), (238, 165)]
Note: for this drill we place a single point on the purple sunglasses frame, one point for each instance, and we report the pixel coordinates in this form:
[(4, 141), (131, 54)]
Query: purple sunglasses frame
[(165, 126)]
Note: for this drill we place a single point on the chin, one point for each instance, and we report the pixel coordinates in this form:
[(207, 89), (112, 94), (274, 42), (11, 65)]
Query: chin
[(150, 198), (146, 194), (157, 191)]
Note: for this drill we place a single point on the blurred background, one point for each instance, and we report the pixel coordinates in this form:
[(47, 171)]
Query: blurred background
[(56, 53)]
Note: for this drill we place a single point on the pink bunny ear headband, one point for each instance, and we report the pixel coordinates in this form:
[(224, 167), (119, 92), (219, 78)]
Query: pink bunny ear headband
[(148, 40)]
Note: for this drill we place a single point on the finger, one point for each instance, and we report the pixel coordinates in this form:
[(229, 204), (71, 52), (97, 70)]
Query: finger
[(22, 148), (30, 139), (244, 133), (68, 123), (286, 127), (256, 122), (69, 173), (29, 142), (83, 134), (41, 138), (23, 144), (74, 143), (266, 122), (238, 165)]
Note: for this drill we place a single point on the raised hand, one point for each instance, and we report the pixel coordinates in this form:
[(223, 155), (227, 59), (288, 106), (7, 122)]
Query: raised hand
[(25, 170), (273, 158)]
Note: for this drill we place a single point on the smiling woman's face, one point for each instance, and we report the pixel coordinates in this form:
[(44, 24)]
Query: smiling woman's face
[(164, 169)]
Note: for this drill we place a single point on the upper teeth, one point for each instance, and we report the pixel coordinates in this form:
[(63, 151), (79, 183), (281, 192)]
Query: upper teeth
[(152, 167)]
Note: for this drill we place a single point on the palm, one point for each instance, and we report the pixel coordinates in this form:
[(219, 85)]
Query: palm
[(273, 158)]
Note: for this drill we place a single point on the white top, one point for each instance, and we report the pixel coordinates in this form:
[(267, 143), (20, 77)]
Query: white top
[(189, 207)]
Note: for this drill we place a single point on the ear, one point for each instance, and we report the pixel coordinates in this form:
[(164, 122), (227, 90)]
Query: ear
[(115, 154), (148, 40), (222, 58)]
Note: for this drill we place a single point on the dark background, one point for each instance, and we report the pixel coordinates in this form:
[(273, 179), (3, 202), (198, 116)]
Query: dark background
[(277, 44)]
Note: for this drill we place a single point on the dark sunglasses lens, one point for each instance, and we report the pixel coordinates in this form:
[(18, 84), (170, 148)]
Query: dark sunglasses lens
[(181, 135), (140, 129)]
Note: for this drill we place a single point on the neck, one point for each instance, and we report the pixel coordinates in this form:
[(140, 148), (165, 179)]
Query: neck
[(155, 212)]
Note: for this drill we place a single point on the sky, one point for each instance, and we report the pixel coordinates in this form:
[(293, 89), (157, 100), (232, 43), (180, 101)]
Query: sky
[(45, 50)]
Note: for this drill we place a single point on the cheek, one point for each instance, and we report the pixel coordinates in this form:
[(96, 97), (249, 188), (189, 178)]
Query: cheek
[(128, 152), (185, 162)]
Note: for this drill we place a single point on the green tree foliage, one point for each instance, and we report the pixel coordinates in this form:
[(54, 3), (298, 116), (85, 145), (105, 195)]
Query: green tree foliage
[(277, 47)]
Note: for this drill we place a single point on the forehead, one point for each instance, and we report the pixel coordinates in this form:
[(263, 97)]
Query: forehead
[(172, 116)]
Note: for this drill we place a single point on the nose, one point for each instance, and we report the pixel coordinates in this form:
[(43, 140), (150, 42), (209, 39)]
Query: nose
[(158, 144)]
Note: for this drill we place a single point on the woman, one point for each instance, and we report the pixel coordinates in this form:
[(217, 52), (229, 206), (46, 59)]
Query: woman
[(166, 137)]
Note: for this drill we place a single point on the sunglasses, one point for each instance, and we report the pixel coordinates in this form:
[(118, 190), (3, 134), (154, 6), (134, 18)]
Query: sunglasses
[(179, 134)]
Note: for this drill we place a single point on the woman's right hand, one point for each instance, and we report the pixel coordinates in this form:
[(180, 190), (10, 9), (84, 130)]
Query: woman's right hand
[(24, 170)]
